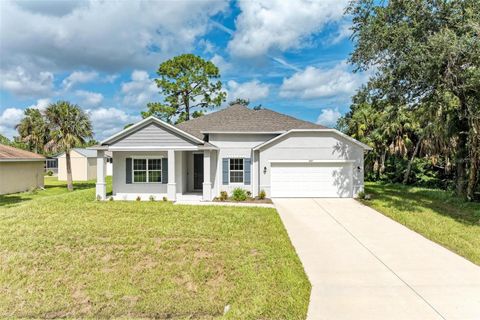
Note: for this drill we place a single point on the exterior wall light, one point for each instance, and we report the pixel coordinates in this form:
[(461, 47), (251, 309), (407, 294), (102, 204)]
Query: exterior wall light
[(264, 170)]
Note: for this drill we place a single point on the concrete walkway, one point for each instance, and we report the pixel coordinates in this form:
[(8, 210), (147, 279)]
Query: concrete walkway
[(363, 265)]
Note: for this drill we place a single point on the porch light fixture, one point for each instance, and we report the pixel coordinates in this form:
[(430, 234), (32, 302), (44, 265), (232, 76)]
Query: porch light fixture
[(264, 170), (359, 169)]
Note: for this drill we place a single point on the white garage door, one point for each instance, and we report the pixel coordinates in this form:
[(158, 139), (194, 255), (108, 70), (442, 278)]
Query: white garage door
[(327, 180)]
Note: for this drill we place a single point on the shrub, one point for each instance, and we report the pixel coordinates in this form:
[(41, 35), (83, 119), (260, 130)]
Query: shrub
[(49, 173), (151, 198), (165, 199), (138, 198), (361, 195), (99, 198), (239, 194), (262, 195), (223, 195), (110, 199), (249, 194)]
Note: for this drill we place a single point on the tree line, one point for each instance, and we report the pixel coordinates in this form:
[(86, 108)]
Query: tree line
[(420, 110)]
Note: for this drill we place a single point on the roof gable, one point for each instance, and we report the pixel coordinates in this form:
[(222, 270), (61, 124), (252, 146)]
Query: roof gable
[(238, 118), (268, 143), (153, 123)]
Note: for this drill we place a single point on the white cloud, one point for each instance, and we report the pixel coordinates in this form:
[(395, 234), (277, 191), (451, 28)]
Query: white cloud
[(9, 118), (89, 98), (102, 35), (252, 90), (329, 117), (342, 32), (314, 83), (221, 63), (78, 77), (140, 90), (41, 104), (21, 82), (266, 25), (108, 121)]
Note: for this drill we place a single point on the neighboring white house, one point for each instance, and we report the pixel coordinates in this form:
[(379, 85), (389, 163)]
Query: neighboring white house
[(84, 165), (234, 147), (20, 170)]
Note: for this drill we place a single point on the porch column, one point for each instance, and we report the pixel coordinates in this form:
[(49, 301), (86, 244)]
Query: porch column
[(101, 186), (171, 186), (207, 184)]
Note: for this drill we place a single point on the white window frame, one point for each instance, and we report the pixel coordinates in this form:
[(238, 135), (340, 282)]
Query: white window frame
[(147, 171), (230, 171)]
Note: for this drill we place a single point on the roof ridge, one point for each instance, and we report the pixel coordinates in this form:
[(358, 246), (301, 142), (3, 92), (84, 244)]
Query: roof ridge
[(291, 117)]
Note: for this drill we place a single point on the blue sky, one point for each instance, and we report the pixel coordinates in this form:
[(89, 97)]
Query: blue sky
[(289, 56)]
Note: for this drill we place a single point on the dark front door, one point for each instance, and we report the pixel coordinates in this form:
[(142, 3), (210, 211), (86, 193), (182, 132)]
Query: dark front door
[(197, 171)]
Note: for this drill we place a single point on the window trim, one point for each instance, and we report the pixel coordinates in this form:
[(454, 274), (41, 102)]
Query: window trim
[(230, 171), (146, 158)]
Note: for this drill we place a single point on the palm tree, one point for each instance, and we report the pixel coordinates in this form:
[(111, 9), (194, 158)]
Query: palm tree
[(33, 130), (69, 127)]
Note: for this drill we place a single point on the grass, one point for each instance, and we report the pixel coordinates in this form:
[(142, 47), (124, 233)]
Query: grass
[(436, 214), (64, 255)]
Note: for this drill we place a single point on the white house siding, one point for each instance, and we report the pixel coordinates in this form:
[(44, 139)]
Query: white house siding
[(20, 176), (83, 168), (235, 146), (129, 191), (311, 146)]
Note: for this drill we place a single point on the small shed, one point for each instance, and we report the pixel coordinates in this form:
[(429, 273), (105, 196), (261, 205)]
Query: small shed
[(20, 170), (84, 165)]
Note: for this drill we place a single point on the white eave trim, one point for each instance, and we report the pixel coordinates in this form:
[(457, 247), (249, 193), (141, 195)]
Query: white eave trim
[(22, 159), (139, 124), (144, 148), (266, 143), (242, 132), (312, 161)]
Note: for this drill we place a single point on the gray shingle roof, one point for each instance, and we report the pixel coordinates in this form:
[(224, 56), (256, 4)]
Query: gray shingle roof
[(238, 118)]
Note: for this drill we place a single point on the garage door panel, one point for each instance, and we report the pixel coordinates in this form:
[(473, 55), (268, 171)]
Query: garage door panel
[(311, 180)]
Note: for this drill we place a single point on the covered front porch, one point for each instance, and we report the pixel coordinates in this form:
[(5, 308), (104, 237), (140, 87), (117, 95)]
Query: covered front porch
[(177, 174)]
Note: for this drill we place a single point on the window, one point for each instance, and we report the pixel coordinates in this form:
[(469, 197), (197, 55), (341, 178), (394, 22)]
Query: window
[(147, 170), (236, 170)]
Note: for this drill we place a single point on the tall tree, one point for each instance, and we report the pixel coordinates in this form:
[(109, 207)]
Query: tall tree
[(70, 127), (189, 86), (424, 50), (33, 130)]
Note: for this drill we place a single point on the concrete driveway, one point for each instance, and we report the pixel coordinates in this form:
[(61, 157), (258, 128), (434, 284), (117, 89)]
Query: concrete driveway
[(363, 265)]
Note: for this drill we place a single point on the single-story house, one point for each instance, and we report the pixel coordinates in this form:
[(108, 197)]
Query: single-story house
[(20, 170), (235, 147), (84, 164)]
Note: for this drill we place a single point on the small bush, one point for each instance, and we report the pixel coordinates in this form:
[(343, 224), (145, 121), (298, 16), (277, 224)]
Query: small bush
[(151, 198), (99, 198), (223, 195), (239, 194), (49, 173), (138, 198), (361, 195), (249, 194), (165, 199), (262, 195), (110, 199)]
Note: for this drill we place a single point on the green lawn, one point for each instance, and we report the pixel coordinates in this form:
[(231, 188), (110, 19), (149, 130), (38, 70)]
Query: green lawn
[(438, 215), (64, 255)]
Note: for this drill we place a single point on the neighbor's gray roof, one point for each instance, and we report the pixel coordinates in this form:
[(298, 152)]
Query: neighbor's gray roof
[(238, 118)]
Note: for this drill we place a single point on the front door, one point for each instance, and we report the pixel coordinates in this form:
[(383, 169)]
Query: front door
[(197, 171)]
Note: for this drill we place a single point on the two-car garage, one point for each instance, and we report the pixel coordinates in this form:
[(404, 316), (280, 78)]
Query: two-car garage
[(320, 179)]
